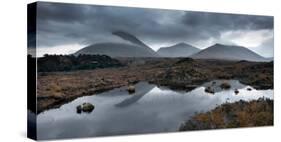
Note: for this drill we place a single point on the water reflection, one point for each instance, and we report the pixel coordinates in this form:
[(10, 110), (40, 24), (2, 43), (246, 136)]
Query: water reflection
[(142, 89), (151, 109), (219, 85)]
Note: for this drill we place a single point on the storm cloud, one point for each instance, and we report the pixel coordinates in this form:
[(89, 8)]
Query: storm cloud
[(73, 25)]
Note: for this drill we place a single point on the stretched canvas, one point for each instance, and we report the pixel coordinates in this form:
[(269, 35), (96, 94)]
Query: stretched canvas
[(103, 70)]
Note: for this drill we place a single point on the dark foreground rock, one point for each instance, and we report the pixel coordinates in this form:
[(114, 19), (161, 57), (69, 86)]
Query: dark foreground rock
[(85, 107), (233, 115), (225, 85), (131, 89)]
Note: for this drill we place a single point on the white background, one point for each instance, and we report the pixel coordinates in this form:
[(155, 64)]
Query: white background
[(14, 83)]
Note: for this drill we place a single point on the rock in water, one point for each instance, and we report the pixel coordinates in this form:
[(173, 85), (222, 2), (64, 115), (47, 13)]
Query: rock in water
[(236, 91), (225, 85), (131, 89), (79, 109), (85, 107), (209, 90)]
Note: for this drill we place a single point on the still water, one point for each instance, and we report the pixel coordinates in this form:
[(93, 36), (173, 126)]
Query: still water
[(151, 109)]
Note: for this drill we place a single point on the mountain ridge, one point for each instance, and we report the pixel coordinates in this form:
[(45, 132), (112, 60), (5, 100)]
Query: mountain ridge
[(228, 52), (114, 49), (178, 50)]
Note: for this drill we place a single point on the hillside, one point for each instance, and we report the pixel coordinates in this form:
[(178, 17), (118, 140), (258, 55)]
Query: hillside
[(178, 50), (227, 52), (135, 47)]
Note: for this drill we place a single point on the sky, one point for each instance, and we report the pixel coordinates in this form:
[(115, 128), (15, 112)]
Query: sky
[(65, 28)]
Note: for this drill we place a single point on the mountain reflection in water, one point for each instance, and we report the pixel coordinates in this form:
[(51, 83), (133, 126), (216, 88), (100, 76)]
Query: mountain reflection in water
[(151, 109)]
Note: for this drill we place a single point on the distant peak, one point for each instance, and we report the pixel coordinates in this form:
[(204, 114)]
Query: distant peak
[(124, 35), (219, 44), (120, 33), (181, 43), (226, 45), (129, 37), (133, 39)]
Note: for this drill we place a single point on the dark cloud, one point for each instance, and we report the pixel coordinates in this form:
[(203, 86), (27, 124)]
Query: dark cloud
[(60, 24), (213, 24), (222, 21)]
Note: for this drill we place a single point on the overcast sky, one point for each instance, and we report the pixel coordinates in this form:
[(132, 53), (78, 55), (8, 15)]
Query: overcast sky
[(66, 28)]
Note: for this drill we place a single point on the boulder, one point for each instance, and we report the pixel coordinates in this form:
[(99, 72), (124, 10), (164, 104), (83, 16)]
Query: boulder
[(209, 90), (236, 91), (225, 85), (131, 89), (85, 107)]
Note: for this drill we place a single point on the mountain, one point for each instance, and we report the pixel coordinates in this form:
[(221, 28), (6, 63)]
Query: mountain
[(129, 37), (135, 47), (115, 50), (227, 52), (178, 50)]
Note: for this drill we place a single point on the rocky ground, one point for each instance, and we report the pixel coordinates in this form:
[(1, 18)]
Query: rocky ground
[(57, 88), (233, 115)]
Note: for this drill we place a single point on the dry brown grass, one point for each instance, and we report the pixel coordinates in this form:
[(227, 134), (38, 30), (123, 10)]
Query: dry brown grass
[(233, 115)]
